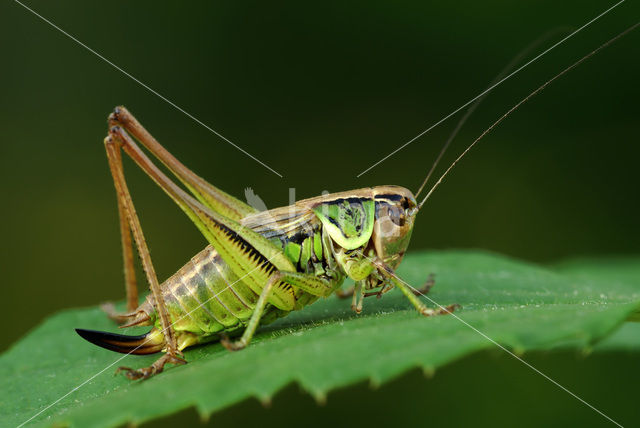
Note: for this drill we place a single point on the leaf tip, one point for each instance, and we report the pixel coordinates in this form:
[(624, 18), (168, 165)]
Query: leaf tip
[(428, 371), (374, 383), (586, 351), (518, 350), (265, 400), (204, 416), (320, 397)]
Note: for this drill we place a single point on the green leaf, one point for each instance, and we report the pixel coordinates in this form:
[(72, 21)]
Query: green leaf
[(518, 305)]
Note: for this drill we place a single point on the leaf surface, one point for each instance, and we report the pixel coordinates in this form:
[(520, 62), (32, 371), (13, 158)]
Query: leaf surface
[(325, 346)]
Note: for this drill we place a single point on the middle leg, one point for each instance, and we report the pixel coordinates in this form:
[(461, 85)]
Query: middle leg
[(307, 282)]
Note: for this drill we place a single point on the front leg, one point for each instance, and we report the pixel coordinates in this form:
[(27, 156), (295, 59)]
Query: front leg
[(410, 292), (358, 297)]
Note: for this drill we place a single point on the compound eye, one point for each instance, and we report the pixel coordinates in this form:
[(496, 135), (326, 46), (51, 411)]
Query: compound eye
[(390, 221), (397, 215)]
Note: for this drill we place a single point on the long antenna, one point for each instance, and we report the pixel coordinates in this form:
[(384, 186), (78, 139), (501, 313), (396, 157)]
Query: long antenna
[(524, 100), (473, 107)]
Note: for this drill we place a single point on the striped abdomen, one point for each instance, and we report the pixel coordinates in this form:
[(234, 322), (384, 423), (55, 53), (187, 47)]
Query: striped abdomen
[(205, 297)]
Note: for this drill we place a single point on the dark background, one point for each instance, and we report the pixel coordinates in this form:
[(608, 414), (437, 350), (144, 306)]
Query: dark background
[(319, 92)]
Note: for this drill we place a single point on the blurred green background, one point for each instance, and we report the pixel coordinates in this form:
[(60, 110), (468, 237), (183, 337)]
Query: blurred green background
[(319, 92)]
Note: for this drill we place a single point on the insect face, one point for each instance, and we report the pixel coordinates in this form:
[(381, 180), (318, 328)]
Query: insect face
[(396, 209)]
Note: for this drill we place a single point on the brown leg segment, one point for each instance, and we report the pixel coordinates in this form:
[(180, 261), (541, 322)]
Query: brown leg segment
[(113, 145), (127, 255), (155, 368), (428, 285)]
